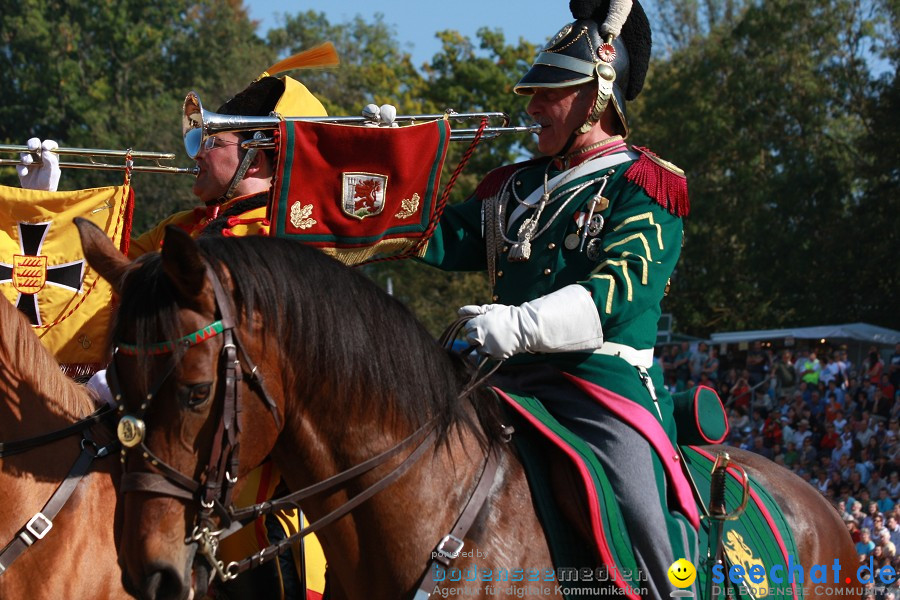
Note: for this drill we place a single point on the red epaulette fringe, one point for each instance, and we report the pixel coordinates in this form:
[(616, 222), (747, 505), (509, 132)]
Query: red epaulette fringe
[(663, 181)]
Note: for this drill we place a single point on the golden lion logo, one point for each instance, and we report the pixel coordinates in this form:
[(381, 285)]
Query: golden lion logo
[(740, 553)]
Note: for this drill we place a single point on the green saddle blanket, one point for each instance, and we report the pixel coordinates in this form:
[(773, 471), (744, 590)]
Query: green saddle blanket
[(758, 542), (759, 548)]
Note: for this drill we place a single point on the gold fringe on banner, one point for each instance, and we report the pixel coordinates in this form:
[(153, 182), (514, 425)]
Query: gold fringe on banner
[(354, 256)]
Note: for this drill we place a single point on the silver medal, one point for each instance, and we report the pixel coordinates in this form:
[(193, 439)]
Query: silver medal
[(595, 226), (571, 241)]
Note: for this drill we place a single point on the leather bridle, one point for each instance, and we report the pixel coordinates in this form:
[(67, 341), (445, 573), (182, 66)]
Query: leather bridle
[(214, 492), (40, 524)]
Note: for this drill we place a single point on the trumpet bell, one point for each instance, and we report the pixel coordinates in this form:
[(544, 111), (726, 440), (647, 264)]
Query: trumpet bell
[(192, 124), (193, 139), (199, 124)]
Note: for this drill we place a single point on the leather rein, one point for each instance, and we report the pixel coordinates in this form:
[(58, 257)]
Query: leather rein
[(214, 492), (40, 524)]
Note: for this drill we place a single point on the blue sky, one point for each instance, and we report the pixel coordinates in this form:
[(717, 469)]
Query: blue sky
[(415, 23)]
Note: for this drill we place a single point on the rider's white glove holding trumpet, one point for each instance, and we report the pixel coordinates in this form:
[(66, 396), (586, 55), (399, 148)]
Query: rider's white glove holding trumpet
[(42, 175), (380, 116)]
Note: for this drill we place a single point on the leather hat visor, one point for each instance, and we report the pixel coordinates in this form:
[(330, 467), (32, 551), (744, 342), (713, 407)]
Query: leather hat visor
[(549, 71)]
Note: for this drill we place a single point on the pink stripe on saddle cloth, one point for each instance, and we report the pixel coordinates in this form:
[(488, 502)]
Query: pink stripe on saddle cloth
[(776, 533), (646, 424), (590, 492)]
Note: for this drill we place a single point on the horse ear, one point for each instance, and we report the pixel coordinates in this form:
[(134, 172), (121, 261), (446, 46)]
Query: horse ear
[(183, 264), (102, 254)]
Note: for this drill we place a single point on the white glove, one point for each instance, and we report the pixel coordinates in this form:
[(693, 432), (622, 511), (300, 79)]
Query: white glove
[(380, 116), (39, 177), (563, 321), (388, 114), (100, 387)]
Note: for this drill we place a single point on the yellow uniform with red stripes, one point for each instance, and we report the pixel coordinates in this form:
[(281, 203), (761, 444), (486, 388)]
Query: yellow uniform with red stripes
[(241, 216)]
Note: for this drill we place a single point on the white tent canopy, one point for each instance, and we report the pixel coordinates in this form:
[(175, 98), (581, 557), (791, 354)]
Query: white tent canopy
[(859, 332), (857, 337)]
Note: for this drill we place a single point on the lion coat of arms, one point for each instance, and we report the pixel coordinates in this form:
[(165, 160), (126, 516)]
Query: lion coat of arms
[(363, 194)]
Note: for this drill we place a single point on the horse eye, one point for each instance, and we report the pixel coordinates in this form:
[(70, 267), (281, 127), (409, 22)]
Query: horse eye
[(194, 395)]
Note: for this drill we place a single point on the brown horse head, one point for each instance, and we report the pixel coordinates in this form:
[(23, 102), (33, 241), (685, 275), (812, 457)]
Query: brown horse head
[(167, 394), (350, 371)]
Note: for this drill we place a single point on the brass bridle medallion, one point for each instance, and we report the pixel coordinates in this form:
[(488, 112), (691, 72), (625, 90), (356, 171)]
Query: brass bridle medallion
[(130, 431)]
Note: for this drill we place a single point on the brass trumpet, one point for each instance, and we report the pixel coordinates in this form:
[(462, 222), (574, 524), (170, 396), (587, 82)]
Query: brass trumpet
[(198, 124), (91, 153)]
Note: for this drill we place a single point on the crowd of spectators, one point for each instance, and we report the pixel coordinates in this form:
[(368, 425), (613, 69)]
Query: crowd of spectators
[(833, 423)]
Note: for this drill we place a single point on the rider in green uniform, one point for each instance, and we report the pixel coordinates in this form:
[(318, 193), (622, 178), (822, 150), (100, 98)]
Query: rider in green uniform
[(580, 246)]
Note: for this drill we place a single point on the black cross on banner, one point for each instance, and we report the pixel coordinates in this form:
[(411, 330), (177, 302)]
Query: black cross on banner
[(29, 270)]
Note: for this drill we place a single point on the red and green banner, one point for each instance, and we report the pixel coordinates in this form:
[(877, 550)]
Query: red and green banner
[(357, 192)]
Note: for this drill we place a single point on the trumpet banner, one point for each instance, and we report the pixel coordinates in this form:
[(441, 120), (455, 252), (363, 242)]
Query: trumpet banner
[(357, 192), (44, 274)]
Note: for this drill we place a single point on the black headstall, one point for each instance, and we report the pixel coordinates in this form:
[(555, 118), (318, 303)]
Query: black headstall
[(214, 490)]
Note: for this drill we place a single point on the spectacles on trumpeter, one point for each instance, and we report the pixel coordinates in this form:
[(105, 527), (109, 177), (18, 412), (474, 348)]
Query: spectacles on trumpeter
[(214, 142)]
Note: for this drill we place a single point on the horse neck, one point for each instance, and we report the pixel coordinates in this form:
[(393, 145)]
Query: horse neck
[(36, 396), (388, 540)]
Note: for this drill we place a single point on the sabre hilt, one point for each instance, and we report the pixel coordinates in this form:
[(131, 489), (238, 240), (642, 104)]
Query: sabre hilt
[(717, 513), (717, 508)]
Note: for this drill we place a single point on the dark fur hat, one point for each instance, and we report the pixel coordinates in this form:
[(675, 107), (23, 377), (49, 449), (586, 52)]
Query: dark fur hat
[(635, 36), (256, 100)]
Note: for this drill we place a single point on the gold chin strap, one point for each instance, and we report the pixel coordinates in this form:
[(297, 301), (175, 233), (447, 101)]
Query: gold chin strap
[(606, 75)]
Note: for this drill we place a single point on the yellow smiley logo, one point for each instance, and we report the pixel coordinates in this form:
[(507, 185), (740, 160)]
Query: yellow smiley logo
[(682, 573)]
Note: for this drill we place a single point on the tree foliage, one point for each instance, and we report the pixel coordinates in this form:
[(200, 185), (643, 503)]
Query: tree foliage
[(783, 114), (114, 75), (769, 110)]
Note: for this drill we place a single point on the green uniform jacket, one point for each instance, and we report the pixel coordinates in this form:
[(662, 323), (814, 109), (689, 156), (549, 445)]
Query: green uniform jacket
[(626, 272)]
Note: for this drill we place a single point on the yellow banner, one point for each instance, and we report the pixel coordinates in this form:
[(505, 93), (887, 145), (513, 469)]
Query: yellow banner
[(43, 271)]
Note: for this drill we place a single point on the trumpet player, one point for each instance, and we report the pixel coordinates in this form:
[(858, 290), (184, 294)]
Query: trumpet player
[(232, 182)]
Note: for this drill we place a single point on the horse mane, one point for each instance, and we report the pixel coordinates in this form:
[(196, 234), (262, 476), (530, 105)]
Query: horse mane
[(360, 349), (25, 364)]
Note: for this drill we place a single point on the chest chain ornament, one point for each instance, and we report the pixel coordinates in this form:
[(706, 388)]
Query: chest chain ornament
[(520, 249)]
